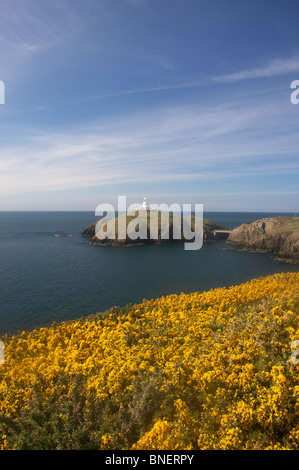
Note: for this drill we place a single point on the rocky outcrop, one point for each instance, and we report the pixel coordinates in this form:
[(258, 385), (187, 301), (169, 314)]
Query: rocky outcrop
[(276, 235), (208, 232)]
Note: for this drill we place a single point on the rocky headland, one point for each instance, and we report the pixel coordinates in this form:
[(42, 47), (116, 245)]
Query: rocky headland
[(276, 235)]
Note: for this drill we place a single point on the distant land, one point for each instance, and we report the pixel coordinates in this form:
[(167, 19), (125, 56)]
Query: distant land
[(209, 229), (276, 235)]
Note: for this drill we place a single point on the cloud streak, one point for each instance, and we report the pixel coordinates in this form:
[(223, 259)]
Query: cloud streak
[(273, 68), (213, 144)]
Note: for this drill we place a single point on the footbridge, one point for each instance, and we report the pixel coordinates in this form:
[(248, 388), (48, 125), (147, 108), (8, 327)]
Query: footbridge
[(222, 233)]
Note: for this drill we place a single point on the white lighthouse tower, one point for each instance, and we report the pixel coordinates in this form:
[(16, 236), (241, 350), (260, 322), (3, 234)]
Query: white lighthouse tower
[(144, 206)]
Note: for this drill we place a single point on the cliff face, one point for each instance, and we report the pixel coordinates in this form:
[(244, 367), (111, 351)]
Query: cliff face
[(208, 232), (277, 235)]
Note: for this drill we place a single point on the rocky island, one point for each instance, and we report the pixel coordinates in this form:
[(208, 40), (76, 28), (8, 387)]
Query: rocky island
[(209, 231), (276, 235)]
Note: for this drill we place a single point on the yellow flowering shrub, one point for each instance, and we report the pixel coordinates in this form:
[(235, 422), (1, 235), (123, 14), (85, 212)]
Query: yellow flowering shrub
[(207, 370)]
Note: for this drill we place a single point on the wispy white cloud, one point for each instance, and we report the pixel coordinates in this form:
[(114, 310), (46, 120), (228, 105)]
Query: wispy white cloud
[(273, 68), (152, 58), (136, 91), (27, 30), (213, 144)]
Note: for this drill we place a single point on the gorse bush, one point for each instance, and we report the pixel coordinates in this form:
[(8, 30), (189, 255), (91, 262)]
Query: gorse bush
[(68, 418), (207, 370)]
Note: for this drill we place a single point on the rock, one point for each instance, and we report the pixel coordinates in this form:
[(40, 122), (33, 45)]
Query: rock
[(276, 235), (208, 231)]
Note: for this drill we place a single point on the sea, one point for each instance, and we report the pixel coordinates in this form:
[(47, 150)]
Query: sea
[(46, 279)]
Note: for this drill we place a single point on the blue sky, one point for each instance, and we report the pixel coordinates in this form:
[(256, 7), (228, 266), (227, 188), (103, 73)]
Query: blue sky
[(180, 101)]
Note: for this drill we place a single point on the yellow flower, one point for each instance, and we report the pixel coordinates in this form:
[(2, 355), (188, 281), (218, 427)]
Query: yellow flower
[(217, 362)]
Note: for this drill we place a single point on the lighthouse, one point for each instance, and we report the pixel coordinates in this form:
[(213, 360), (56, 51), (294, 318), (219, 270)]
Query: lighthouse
[(144, 206)]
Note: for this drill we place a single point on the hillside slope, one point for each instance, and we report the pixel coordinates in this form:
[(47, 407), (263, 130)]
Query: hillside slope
[(207, 370)]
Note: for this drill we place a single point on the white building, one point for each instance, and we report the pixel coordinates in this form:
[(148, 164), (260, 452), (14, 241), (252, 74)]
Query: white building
[(144, 206)]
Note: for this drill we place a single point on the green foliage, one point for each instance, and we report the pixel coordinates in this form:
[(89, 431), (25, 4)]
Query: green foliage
[(68, 420)]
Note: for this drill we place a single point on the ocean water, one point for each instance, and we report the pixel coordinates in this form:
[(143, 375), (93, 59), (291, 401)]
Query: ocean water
[(44, 278)]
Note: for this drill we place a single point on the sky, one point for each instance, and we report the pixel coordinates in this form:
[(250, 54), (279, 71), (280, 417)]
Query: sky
[(181, 101)]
